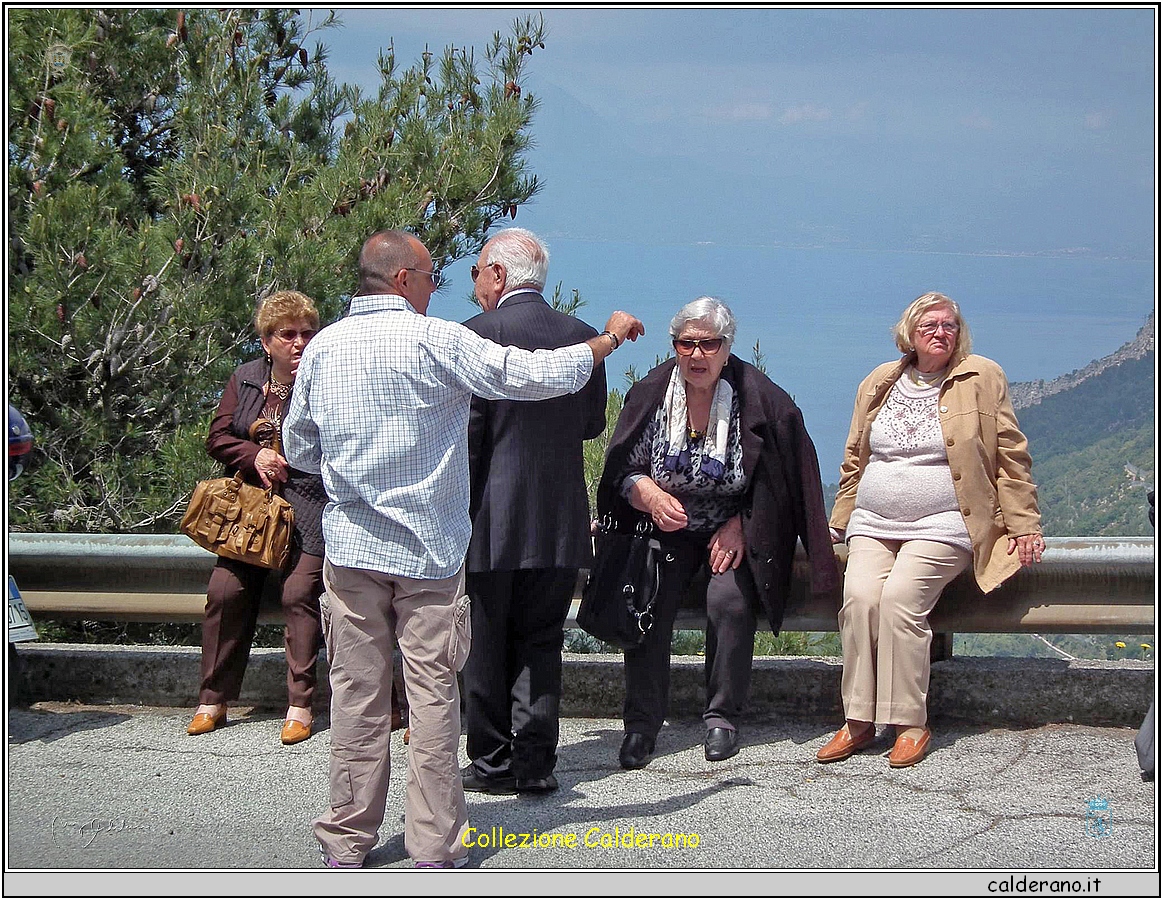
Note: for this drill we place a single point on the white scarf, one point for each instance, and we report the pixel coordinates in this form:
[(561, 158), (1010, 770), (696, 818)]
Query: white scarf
[(714, 455)]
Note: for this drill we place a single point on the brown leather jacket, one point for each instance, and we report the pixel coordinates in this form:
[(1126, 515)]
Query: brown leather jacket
[(229, 443), (987, 457)]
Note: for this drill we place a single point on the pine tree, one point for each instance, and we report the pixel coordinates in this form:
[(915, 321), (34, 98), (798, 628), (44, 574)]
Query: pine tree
[(169, 168)]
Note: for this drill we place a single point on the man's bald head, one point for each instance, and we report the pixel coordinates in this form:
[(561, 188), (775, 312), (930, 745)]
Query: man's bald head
[(381, 258), (395, 262)]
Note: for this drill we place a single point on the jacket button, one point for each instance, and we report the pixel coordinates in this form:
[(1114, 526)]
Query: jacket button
[(767, 585), (965, 512), (944, 409), (949, 442), (956, 476), (770, 560)]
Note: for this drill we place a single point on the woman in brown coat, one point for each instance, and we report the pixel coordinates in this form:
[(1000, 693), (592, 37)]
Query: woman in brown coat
[(245, 436), (935, 479)]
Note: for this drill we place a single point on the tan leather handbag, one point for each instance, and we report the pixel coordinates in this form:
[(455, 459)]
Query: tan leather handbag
[(237, 520)]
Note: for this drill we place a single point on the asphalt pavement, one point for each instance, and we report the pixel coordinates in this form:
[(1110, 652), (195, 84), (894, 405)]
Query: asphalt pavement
[(110, 800)]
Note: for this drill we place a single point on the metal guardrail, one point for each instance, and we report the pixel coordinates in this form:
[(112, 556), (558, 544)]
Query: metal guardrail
[(1082, 586)]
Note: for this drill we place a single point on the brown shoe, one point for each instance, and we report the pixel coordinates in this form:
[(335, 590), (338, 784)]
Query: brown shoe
[(294, 731), (203, 723), (842, 745), (909, 751), (407, 735)]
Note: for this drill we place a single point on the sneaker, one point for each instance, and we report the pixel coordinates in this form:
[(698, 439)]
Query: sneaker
[(332, 863), (444, 864)]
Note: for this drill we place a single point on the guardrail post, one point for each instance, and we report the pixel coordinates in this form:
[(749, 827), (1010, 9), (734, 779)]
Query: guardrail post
[(942, 646)]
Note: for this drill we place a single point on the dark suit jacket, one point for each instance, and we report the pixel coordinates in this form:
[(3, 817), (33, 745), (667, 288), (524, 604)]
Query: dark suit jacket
[(784, 500), (529, 506)]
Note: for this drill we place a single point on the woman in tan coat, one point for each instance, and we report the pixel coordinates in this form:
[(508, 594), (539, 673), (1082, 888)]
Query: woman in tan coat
[(935, 478)]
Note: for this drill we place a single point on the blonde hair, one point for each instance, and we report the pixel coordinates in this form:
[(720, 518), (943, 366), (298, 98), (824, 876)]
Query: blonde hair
[(902, 331), (281, 307)]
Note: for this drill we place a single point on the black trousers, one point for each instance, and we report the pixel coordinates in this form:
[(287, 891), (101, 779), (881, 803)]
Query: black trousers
[(512, 680), (732, 600)]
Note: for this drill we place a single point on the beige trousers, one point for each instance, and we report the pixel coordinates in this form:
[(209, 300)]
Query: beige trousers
[(890, 587), (361, 610)]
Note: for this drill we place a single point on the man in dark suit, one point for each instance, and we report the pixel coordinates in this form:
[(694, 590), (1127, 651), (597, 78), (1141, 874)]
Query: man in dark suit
[(530, 516)]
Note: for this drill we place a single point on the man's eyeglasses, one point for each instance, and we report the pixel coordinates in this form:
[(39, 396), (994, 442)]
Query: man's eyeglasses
[(290, 335), (436, 278), (931, 328), (686, 347)]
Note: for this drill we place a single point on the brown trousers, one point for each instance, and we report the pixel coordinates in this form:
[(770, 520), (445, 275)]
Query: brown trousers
[(232, 605)]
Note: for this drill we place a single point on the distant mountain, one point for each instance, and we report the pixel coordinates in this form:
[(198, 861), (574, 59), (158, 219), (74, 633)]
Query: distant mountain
[(1092, 438), (1030, 393)]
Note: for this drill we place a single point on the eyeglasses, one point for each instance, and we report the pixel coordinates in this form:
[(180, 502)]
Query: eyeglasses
[(687, 347), (290, 335), (436, 278), (475, 271), (931, 328)]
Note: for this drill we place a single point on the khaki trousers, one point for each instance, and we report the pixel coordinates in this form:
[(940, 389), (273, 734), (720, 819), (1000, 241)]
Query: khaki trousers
[(361, 610), (890, 587)]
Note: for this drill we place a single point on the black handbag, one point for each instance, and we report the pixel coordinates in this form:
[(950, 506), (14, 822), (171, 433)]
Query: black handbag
[(618, 599)]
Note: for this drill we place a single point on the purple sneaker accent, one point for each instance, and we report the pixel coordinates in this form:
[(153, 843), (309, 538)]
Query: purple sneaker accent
[(336, 864), (444, 864)]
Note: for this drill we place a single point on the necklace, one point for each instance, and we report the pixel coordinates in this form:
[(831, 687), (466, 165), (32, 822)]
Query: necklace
[(925, 379), (692, 433), (282, 391)]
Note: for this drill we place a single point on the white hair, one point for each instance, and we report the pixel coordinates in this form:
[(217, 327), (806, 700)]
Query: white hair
[(709, 311), (524, 256)]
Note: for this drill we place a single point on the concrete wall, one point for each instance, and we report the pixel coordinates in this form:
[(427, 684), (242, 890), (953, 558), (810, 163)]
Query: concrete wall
[(987, 690)]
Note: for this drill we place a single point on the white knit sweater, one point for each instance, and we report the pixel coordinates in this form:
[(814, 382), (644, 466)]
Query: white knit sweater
[(906, 490)]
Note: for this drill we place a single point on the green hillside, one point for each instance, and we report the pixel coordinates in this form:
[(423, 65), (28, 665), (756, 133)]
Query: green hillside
[(1118, 398), (1083, 440)]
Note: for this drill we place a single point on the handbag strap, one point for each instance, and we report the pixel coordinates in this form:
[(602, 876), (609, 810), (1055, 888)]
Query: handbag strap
[(647, 612)]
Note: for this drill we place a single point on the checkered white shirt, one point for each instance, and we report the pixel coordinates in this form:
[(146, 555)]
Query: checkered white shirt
[(380, 410)]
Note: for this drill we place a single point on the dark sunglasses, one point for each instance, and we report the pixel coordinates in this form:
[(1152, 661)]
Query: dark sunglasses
[(290, 335), (686, 347), (475, 271)]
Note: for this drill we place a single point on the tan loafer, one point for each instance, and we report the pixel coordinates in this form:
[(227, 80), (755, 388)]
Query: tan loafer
[(407, 735), (294, 731), (909, 751), (203, 723), (842, 745)]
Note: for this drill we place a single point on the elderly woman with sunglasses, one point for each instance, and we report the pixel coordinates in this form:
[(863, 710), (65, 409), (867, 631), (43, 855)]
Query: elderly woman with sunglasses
[(246, 436), (717, 457), (935, 479)]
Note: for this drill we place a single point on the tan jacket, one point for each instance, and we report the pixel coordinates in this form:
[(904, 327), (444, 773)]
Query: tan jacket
[(987, 457)]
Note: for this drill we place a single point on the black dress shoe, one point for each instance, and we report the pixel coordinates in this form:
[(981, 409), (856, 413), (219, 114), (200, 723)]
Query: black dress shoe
[(721, 743), (475, 782), (636, 750), (545, 785)]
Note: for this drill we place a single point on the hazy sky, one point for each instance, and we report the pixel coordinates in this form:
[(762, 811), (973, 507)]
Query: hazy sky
[(818, 169), (969, 130)]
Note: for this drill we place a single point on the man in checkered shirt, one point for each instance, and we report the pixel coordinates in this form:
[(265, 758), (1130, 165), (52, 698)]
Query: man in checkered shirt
[(380, 410)]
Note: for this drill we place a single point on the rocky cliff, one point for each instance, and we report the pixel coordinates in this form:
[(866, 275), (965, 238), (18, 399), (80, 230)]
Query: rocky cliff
[(1030, 393)]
